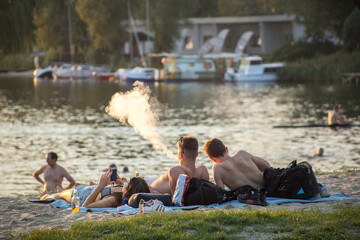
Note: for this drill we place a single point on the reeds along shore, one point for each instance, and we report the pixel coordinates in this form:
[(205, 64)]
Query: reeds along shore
[(322, 68), (18, 215)]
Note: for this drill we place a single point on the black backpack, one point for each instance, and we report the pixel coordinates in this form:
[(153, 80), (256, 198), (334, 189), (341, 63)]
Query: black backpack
[(297, 181), (202, 192)]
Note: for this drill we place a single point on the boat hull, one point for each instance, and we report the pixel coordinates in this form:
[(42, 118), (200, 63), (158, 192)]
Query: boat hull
[(251, 77), (43, 73)]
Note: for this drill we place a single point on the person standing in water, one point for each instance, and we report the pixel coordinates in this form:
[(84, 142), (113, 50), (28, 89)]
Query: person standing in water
[(53, 175), (334, 117)]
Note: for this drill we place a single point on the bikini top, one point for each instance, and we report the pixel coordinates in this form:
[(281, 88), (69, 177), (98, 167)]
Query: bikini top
[(105, 192)]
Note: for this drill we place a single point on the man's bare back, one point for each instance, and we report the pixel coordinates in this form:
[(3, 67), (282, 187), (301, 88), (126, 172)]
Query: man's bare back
[(187, 153), (167, 182), (236, 171), (239, 170)]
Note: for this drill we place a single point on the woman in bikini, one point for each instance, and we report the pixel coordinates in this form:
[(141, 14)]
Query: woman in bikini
[(100, 196)]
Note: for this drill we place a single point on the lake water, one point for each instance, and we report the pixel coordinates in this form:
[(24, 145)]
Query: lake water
[(69, 118)]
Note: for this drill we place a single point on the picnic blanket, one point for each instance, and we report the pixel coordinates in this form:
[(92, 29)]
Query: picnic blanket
[(127, 210)]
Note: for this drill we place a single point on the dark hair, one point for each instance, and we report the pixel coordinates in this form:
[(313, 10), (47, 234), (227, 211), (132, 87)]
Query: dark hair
[(214, 148), (136, 185), (119, 197), (189, 146), (52, 155)]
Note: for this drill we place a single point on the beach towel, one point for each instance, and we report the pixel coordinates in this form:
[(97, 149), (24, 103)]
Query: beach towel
[(127, 210)]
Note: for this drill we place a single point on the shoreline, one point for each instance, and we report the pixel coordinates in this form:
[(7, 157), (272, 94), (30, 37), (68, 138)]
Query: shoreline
[(25, 73), (20, 215)]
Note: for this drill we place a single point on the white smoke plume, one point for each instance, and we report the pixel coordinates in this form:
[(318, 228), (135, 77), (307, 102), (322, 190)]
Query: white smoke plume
[(137, 109)]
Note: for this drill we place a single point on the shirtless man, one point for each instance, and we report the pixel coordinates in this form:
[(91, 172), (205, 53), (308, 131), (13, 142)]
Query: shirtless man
[(334, 117), (53, 175), (187, 152), (233, 172)]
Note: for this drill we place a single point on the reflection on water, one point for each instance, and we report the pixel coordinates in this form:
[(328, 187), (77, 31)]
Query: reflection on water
[(69, 118)]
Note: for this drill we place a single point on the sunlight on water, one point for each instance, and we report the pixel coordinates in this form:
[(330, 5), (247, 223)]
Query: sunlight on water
[(69, 118)]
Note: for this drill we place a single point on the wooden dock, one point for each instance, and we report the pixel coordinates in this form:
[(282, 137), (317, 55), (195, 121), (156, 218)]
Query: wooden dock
[(349, 78)]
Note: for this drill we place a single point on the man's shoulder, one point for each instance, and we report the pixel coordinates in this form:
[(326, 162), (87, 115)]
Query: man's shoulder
[(42, 168), (177, 169), (201, 167), (221, 167), (60, 168), (242, 153)]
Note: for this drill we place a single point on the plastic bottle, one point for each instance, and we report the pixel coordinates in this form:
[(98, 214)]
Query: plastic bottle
[(75, 202)]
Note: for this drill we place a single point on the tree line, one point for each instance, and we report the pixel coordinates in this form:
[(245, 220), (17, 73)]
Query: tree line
[(98, 35)]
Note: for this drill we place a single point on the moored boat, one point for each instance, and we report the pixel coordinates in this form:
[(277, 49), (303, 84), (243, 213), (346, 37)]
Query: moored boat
[(77, 71), (105, 76), (252, 69), (141, 74), (43, 72)]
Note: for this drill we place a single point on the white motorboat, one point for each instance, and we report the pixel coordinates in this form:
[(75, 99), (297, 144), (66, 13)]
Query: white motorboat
[(43, 72), (252, 69), (77, 71), (140, 74)]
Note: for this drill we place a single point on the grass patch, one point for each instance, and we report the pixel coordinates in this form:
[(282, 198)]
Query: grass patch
[(341, 223)]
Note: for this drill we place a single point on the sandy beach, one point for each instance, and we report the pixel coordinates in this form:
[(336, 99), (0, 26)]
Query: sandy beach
[(18, 215)]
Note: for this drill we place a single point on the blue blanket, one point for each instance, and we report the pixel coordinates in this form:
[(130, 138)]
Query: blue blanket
[(127, 210)]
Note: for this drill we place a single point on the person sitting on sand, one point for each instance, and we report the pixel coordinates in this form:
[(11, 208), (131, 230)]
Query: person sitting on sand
[(187, 152), (100, 196), (53, 175), (334, 117), (236, 171)]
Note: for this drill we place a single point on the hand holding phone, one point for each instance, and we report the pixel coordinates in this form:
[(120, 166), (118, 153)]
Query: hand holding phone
[(113, 175)]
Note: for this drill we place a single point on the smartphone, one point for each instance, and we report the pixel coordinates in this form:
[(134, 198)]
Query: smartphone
[(113, 175)]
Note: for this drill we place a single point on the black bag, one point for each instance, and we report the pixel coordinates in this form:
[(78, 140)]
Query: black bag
[(136, 197), (297, 181), (202, 192)]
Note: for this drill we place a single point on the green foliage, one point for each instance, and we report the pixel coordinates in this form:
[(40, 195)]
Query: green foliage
[(340, 223), (302, 49), (50, 19), (17, 61), (99, 28), (202, 8), (251, 7), (328, 67), (103, 18), (16, 28), (165, 16), (351, 30), (321, 17)]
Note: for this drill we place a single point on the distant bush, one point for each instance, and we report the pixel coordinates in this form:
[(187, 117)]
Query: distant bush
[(293, 51), (351, 30), (322, 68), (17, 61)]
